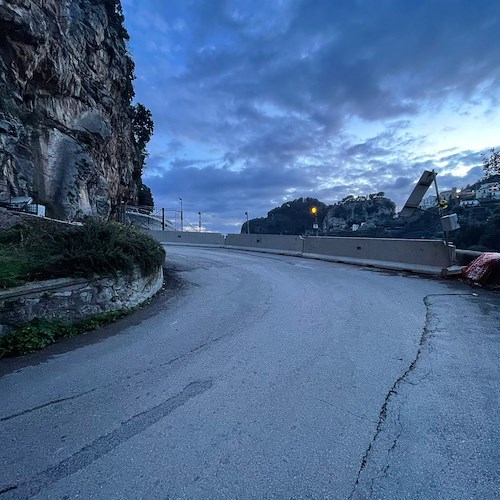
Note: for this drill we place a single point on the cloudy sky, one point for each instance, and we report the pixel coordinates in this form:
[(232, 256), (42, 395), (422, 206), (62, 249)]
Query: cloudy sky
[(257, 102)]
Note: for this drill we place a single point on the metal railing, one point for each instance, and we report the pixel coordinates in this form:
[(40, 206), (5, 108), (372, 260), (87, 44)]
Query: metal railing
[(147, 218)]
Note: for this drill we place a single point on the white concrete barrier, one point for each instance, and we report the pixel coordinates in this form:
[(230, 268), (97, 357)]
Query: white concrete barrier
[(269, 243), (188, 238), (422, 256), (426, 256)]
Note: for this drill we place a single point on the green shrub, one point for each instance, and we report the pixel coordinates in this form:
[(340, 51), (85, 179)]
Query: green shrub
[(40, 333), (36, 252)]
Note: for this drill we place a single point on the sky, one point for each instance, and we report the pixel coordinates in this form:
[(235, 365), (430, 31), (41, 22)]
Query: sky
[(259, 102)]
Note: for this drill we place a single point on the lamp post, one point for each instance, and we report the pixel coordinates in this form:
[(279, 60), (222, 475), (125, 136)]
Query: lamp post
[(248, 223), (199, 222), (182, 216), (314, 211)]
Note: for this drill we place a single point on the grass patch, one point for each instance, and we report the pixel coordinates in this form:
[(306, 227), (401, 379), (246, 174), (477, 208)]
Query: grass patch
[(37, 251), (40, 333)]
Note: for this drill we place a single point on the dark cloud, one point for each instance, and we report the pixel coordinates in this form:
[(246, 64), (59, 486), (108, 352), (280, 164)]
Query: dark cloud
[(225, 192), (253, 100)]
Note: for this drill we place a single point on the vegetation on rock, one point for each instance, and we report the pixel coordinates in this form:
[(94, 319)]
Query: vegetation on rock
[(40, 333), (116, 18), (491, 164), (142, 129), (37, 252), (293, 217), (145, 197), (371, 211)]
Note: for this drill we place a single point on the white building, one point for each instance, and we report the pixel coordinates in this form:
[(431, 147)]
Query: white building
[(469, 203), (489, 191), (428, 202)]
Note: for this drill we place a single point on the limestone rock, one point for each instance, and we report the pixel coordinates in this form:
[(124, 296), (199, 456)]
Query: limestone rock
[(65, 130), (370, 211)]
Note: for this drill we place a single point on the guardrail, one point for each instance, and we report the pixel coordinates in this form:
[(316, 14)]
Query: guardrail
[(422, 256)]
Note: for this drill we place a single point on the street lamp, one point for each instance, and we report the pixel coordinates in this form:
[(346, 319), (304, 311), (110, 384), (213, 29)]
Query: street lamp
[(182, 216), (248, 224), (314, 211)]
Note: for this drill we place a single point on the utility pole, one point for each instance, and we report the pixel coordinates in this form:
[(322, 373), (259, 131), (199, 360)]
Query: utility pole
[(163, 219), (440, 206), (248, 223), (182, 216), (199, 222)]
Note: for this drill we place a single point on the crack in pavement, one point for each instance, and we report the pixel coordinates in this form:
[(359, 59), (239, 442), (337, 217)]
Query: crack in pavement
[(389, 452), (107, 443), (44, 405), (393, 390)]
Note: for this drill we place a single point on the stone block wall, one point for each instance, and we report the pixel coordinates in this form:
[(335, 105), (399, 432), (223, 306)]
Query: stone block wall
[(73, 299)]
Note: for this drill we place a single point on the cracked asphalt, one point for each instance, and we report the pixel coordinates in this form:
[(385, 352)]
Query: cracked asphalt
[(262, 376)]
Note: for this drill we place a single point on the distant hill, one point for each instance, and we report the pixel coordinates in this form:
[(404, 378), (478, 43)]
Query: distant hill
[(374, 216), (293, 217)]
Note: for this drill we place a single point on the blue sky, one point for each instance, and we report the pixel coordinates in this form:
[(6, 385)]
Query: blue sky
[(259, 102)]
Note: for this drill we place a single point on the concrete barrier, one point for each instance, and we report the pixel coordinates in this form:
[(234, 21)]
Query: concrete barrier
[(422, 256), (465, 257), (269, 243), (188, 238), (426, 256)]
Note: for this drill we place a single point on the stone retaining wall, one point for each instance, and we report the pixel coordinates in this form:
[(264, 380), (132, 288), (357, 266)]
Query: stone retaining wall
[(74, 299)]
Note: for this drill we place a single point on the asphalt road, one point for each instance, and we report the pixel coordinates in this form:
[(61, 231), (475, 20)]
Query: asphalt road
[(265, 377)]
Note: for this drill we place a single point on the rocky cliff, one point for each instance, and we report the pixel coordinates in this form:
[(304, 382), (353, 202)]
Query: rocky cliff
[(65, 89), (371, 211)]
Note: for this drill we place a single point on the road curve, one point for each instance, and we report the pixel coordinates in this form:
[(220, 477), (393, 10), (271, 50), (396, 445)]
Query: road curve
[(265, 377)]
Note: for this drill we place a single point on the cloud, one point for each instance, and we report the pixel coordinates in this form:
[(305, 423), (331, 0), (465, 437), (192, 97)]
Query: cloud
[(255, 102)]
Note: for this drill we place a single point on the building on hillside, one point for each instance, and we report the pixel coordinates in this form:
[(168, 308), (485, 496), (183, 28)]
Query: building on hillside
[(489, 191), (469, 203), (466, 195), (450, 196), (428, 202)]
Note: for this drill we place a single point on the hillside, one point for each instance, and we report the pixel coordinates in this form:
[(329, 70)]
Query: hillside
[(293, 217), (374, 216), (66, 132), (367, 211)]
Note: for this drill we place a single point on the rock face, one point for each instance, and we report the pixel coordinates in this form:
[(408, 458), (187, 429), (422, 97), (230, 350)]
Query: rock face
[(65, 129), (371, 211)]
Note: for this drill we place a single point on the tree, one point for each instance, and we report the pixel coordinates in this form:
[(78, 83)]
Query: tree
[(116, 17), (293, 217), (491, 163), (145, 197), (142, 130), (142, 126)]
